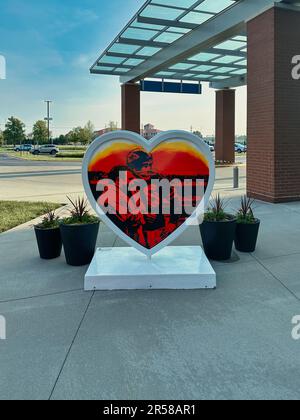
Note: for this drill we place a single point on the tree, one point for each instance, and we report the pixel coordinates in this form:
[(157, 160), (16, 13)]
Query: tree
[(61, 140), (74, 135), (199, 134), (14, 132), (112, 126), (88, 133), (81, 135), (40, 132), (1, 138)]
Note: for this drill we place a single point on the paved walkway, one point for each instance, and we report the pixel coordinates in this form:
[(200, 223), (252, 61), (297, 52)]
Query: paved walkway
[(231, 343)]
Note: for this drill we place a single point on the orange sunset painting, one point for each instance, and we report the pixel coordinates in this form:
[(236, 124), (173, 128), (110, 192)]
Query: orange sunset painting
[(171, 160)]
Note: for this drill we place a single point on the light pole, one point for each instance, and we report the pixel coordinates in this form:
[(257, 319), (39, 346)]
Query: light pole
[(48, 119)]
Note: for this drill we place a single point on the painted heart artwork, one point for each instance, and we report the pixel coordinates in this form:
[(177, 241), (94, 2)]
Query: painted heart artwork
[(148, 191)]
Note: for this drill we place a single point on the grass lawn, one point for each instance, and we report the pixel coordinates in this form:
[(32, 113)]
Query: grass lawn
[(15, 213), (75, 155), (45, 158), (73, 148)]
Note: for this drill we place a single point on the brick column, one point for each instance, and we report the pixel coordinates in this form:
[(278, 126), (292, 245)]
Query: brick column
[(273, 107), (225, 125), (131, 108)]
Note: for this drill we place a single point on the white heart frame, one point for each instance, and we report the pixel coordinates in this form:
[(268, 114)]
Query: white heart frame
[(148, 145)]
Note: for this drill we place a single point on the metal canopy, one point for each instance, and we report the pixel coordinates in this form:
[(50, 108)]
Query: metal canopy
[(202, 40)]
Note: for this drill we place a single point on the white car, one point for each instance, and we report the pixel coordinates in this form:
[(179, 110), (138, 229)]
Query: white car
[(211, 146), (47, 149)]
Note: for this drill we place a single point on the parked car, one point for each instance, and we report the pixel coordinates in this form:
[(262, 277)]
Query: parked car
[(47, 149), (212, 147), (23, 148), (240, 148)]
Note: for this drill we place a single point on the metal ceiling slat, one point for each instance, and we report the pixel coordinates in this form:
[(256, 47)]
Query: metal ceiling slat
[(143, 43), (165, 22)]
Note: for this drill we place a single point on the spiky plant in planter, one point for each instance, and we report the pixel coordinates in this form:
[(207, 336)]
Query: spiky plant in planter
[(79, 233), (48, 236), (245, 214), (50, 220), (218, 230), (216, 211), (79, 213), (247, 227)]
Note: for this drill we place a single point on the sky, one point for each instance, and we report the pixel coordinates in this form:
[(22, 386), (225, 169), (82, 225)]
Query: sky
[(49, 47)]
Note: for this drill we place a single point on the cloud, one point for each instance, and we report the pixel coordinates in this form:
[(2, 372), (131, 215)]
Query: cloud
[(2, 67), (85, 15), (69, 20), (83, 60)]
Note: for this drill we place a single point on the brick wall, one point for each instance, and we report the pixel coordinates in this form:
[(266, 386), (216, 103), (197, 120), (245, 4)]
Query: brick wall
[(225, 125), (131, 108), (273, 107)]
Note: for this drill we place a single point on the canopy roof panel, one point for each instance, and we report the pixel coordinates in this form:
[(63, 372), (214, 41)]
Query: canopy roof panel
[(202, 40)]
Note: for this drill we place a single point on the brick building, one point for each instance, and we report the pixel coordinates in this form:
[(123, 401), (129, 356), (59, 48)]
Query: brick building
[(149, 131)]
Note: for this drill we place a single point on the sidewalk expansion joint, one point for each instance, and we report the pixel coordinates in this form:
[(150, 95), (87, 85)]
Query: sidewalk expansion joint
[(39, 296), (276, 278), (71, 346)]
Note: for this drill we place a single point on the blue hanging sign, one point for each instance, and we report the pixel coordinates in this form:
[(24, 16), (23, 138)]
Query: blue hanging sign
[(171, 87)]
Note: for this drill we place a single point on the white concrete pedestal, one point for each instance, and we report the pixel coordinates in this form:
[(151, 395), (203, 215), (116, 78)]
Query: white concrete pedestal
[(172, 268)]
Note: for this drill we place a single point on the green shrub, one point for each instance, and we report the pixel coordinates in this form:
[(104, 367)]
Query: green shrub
[(70, 155), (216, 211), (245, 214), (79, 213), (50, 220)]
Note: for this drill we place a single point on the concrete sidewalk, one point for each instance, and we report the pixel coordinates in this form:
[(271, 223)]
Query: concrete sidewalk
[(231, 343)]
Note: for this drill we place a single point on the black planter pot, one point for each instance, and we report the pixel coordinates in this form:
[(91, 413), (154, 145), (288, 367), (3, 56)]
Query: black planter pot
[(246, 236), (79, 243), (217, 238), (49, 242)]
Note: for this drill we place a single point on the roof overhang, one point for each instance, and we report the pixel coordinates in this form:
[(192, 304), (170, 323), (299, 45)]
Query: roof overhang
[(165, 40)]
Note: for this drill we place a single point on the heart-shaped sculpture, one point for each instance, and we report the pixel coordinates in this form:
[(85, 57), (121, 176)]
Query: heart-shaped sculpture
[(148, 192)]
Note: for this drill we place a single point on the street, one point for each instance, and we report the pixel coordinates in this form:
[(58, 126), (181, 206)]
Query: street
[(39, 181), (8, 161), (53, 181)]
